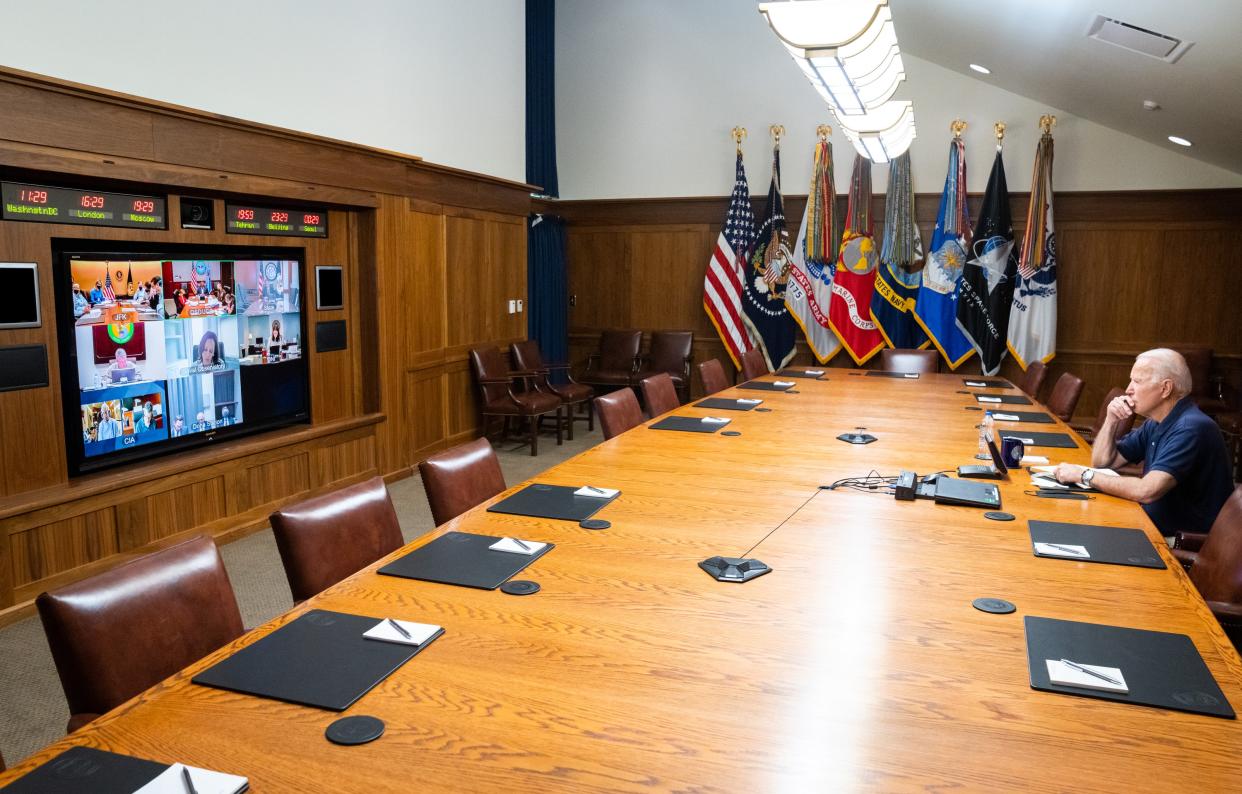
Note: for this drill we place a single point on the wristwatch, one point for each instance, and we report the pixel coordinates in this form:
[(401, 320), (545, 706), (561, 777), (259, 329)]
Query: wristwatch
[(1087, 476)]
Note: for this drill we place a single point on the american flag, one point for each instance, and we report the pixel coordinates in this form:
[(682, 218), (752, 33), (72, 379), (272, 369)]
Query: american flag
[(109, 295), (722, 284)]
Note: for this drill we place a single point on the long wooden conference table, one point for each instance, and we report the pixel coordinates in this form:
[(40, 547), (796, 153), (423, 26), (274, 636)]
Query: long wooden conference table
[(857, 664)]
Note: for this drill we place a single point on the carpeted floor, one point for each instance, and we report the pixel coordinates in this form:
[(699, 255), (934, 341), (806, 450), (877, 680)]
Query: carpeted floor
[(31, 701)]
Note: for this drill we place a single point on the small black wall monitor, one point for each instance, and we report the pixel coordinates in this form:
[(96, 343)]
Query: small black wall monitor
[(330, 336), (19, 295), (329, 290), (197, 213), (23, 367)]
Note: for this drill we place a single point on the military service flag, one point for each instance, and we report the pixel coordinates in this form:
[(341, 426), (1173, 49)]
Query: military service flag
[(935, 308), (1033, 322), (854, 283), (901, 257), (985, 291), (763, 289), (809, 291), (722, 284)]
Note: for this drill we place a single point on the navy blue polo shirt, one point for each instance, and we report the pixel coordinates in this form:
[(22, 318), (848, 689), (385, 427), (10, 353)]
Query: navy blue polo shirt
[(1188, 446)]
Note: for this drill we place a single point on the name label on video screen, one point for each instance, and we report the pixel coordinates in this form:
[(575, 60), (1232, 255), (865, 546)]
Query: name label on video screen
[(43, 204), (244, 219)]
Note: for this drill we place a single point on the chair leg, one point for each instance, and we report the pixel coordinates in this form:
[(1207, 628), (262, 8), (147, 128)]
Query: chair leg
[(569, 420), (560, 424), (590, 416), (534, 436)]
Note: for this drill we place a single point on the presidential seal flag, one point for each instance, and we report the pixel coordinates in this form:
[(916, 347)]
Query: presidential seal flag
[(985, 291), (809, 291), (854, 283), (935, 307), (1033, 320), (897, 278), (722, 284), (763, 289)]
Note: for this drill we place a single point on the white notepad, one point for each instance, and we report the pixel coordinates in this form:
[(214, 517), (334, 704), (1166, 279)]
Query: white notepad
[(784, 383), (598, 493), (976, 383), (1027, 460), (715, 420), (205, 781), (419, 632), (1063, 674), (1068, 550), (988, 399), (512, 546), (1006, 417), (910, 375), (748, 401), (816, 372)]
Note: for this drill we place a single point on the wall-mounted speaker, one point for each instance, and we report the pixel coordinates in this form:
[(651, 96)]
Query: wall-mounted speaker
[(197, 213), (329, 336), (23, 367)]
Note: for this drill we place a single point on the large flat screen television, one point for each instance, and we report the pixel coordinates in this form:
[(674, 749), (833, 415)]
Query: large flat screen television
[(165, 348)]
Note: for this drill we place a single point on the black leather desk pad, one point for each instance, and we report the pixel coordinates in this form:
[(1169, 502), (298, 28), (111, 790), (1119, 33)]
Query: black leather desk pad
[(80, 769), (883, 373), (462, 558), (1005, 399), (763, 385), (1161, 669), (722, 404), (551, 501), (1063, 440), (687, 424), (319, 659), (1026, 416), (1108, 545), (988, 384), (799, 373)]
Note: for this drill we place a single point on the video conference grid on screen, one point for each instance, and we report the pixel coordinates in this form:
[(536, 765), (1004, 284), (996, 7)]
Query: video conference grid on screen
[(163, 345)]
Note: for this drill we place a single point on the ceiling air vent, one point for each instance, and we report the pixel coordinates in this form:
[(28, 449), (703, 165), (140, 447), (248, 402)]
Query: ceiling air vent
[(1136, 39)]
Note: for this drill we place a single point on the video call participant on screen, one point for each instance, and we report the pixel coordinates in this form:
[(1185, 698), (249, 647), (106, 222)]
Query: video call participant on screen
[(80, 303), (276, 337), (208, 355), (178, 427), (144, 419), (109, 428), (97, 293), (122, 368), (200, 423), (225, 418), (140, 294)]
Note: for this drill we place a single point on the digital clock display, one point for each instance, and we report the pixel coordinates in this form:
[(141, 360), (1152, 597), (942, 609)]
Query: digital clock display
[(43, 204), (243, 219)]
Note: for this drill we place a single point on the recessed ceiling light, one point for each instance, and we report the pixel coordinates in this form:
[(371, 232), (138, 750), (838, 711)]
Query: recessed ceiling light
[(980, 69), (1180, 141)]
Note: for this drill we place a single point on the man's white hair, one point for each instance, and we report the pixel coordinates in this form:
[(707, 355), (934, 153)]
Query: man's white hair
[(1163, 363)]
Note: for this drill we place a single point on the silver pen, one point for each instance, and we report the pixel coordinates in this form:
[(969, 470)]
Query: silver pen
[(1089, 671), (400, 629), (185, 778), (1065, 549), (593, 489), (520, 543)]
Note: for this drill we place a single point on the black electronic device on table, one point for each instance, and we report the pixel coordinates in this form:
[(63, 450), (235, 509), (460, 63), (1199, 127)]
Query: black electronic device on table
[(996, 470), (948, 491)]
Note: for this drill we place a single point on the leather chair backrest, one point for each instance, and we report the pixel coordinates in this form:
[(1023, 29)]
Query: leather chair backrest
[(1199, 361), (905, 360), (460, 478), (1065, 394), (617, 349), (324, 539), (754, 365), (1033, 379), (1218, 570), (121, 632), (669, 350), (659, 393), (618, 411), (1123, 427), (489, 363), (526, 355), (712, 373)]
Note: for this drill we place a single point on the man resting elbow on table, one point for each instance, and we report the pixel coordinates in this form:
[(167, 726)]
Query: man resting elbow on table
[(1186, 475)]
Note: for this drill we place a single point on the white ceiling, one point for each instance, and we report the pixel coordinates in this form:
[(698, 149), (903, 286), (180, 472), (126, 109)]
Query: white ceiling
[(1040, 49)]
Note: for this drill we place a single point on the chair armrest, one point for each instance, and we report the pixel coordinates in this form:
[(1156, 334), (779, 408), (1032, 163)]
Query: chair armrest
[(1190, 541), (1186, 558), (1229, 614), (495, 380), (558, 365)]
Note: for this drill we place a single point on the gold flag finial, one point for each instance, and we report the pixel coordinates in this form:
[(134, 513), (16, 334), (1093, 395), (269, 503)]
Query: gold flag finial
[(957, 126), (738, 134), (824, 131), (999, 127), (778, 132), (1047, 122)]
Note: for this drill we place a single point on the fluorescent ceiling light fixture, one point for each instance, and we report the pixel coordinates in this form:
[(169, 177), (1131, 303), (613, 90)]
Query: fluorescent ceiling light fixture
[(883, 134), (1180, 141), (846, 48), (980, 69)]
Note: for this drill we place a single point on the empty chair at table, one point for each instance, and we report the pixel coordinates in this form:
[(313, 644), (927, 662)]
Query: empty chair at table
[(460, 478), (754, 365), (618, 412), (1033, 379), (1064, 397), (659, 394), (1214, 561), (712, 373)]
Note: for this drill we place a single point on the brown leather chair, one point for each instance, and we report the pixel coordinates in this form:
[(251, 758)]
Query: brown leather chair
[(1064, 397), (671, 353), (121, 632), (526, 357), (617, 360), (498, 397), (754, 365), (712, 373), (1214, 561), (324, 539), (906, 360), (659, 394), (1089, 433), (1033, 379), (1199, 361), (460, 478), (618, 411)]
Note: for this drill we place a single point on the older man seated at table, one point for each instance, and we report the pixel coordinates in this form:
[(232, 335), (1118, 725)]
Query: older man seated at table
[(1186, 476)]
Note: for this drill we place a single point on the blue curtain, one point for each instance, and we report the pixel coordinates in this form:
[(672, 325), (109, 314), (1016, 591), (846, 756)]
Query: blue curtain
[(547, 316), (541, 96)]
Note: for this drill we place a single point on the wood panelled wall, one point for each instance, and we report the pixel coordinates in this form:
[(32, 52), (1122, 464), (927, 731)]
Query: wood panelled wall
[(1136, 270), (431, 256)]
